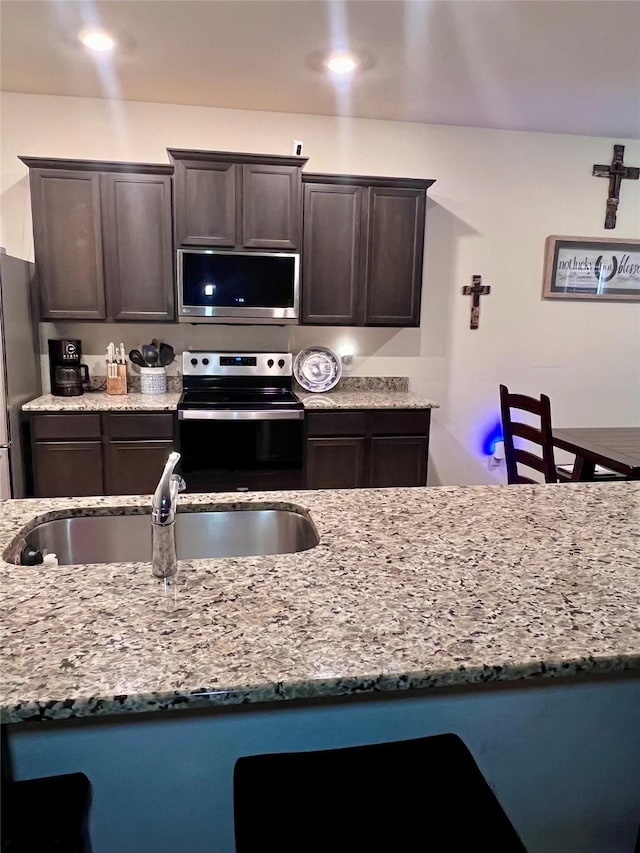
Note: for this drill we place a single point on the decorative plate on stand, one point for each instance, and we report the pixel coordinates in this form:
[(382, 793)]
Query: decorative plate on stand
[(317, 369)]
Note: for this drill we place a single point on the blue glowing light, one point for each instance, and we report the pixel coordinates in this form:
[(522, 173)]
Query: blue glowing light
[(492, 438)]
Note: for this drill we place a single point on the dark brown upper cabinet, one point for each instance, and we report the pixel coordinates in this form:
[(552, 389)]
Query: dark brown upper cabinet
[(331, 269), (137, 245), (102, 238), (67, 237), (363, 245), (237, 201)]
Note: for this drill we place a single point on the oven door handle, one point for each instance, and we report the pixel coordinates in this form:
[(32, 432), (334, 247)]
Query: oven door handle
[(240, 415)]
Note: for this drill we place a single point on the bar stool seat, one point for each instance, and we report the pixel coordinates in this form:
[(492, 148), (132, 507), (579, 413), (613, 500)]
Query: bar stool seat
[(46, 815), (426, 795)]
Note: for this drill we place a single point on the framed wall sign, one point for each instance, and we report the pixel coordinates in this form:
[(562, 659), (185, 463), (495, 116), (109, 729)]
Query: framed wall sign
[(598, 268)]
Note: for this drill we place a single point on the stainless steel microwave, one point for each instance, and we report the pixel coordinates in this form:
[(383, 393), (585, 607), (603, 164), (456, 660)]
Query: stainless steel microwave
[(222, 286)]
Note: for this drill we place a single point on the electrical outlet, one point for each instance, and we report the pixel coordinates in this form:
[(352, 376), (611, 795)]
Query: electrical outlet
[(496, 460)]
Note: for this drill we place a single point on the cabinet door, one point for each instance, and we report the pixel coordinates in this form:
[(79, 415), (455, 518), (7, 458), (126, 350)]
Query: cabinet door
[(205, 203), (398, 461), (271, 208), (335, 463), (137, 242), (68, 244), (395, 242), (134, 467), (331, 270), (67, 468)]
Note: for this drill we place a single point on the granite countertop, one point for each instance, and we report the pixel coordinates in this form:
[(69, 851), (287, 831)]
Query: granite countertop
[(408, 589), (353, 392), (101, 402), (365, 400)]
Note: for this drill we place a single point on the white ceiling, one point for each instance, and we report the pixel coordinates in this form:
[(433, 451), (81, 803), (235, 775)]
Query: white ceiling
[(568, 66)]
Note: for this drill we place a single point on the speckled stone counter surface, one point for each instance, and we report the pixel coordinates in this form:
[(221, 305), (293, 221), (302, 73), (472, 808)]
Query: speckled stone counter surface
[(365, 400), (366, 392), (98, 401), (408, 589), (355, 392)]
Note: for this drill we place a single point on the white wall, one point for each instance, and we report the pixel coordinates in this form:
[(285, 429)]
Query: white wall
[(497, 195)]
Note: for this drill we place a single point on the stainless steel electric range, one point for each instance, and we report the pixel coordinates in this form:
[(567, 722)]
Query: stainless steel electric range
[(240, 425)]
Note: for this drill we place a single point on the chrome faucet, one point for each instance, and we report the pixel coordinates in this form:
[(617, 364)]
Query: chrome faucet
[(164, 561)]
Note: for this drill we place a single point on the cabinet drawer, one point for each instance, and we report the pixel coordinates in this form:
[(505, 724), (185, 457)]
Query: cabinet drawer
[(154, 427), (56, 427), (336, 423), (403, 422)]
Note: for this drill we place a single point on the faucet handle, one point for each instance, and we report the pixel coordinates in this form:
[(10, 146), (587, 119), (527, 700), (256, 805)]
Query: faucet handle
[(176, 478)]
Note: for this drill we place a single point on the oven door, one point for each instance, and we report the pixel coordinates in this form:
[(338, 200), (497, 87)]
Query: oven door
[(227, 450)]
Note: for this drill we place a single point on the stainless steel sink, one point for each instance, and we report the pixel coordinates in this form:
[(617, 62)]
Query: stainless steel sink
[(127, 538)]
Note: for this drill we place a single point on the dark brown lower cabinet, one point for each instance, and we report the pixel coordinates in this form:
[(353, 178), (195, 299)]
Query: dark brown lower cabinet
[(93, 454), (335, 463), (397, 461), (134, 467), (67, 469), (367, 448)]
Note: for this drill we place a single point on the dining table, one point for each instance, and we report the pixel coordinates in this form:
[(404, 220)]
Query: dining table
[(614, 448)]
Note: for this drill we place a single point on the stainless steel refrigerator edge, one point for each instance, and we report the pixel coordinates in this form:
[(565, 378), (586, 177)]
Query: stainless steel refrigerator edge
[(20, 361)]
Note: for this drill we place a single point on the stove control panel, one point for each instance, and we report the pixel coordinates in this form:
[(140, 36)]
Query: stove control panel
[(237, 364)]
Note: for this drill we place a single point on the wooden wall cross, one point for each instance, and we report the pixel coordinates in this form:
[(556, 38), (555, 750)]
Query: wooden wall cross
[(616, 172), (477, 290)]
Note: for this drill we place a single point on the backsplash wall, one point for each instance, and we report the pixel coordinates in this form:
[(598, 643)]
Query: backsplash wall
[(377, 352)]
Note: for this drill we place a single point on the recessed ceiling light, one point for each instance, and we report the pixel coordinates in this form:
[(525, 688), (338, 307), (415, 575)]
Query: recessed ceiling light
[(341, 63), (97, 40)]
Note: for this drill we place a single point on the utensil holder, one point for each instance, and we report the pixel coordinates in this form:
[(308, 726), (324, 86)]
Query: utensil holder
[(117, 384), (153, 380)]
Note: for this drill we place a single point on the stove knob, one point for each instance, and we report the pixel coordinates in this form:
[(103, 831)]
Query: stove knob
[(281, 363), (194, 362), (205, 361), (270, 363)]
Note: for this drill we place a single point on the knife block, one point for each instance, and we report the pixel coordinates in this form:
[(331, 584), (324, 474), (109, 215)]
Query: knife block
[(117, 384)]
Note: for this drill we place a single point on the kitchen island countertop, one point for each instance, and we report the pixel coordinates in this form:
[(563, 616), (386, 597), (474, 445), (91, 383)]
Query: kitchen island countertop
[(408, 589)]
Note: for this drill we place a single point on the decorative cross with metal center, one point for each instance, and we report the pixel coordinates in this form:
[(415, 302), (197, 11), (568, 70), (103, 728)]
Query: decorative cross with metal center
[(476, 291), (616, 172)]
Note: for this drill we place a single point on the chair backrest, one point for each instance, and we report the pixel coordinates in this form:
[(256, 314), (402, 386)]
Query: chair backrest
[(544, 462), (426, 794)]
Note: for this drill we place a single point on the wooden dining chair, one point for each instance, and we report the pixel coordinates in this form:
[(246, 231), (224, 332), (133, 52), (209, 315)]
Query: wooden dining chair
[(540, 456)]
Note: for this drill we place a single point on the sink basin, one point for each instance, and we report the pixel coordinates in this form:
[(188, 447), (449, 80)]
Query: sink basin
[(127, 538)]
